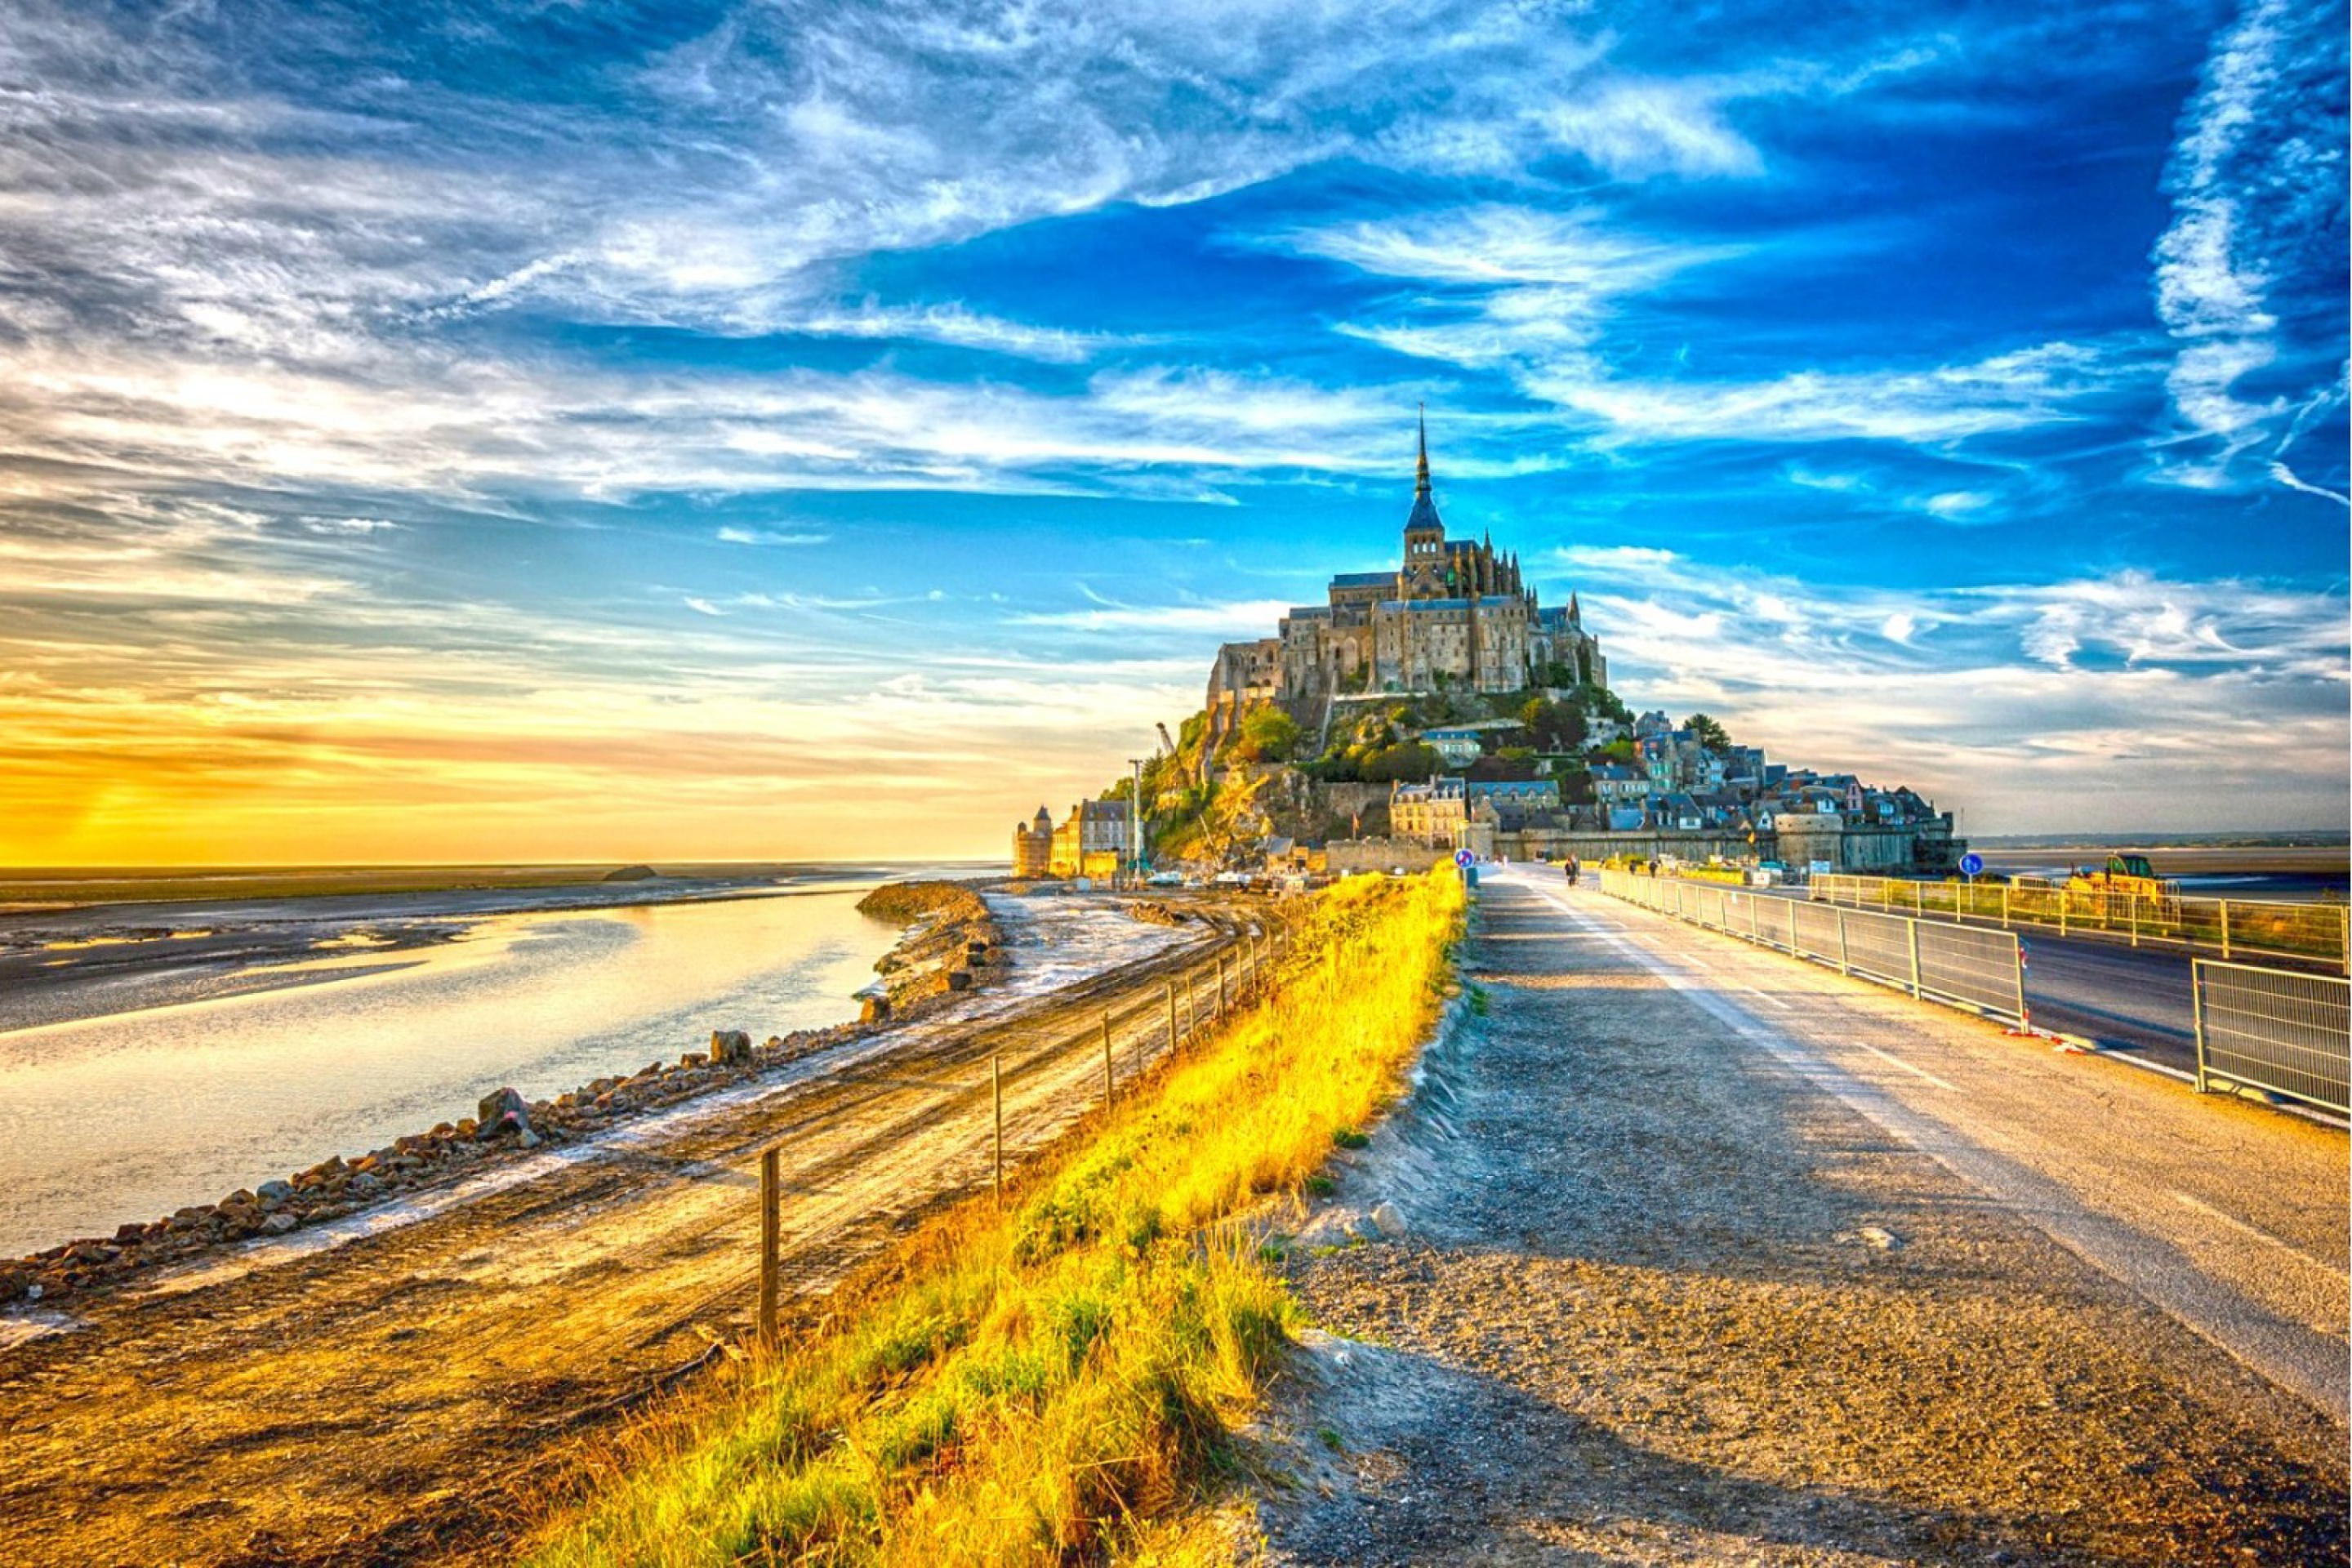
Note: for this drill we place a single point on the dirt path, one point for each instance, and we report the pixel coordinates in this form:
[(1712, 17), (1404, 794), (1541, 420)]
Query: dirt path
[(1711, 1257), (375, 1403)]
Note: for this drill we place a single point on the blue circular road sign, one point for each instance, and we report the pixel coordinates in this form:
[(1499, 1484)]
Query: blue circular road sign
[(1463, 858), (1972, 863)]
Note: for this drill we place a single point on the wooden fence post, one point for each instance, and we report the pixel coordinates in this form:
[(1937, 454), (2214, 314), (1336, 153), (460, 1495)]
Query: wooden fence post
[(1171, 1015), (996, 1092), (770, 1244), (1107, 1082)]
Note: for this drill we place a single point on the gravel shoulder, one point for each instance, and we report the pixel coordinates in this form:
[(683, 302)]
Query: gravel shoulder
[(1699, 1255)]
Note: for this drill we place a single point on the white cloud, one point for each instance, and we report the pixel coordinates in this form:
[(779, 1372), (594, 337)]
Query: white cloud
[(2032, 707), (732, 535), (1237, 619), (2007, 392), (1634, 129), (2257, 180)]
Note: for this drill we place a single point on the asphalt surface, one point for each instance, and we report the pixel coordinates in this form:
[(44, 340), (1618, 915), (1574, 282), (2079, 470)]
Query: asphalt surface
[(2228, 1218), (1683, 1252), (2121, 998)]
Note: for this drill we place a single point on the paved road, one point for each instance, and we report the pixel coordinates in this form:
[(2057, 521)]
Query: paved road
[(2230, 1217), (2135, 1000), (1709, 1255)]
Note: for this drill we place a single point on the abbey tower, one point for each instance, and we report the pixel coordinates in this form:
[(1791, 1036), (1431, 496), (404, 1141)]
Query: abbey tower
[(1455, 615)]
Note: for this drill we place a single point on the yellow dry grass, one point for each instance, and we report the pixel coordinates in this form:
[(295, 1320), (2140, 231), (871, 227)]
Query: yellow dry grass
[(1043, 1381)]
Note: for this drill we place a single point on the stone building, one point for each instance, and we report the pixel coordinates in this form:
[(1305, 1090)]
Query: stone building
[(1455, 614), (1032, 846), (1094, 840)]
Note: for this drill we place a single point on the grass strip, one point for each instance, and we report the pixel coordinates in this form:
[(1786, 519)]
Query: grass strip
[(1043, 1381)]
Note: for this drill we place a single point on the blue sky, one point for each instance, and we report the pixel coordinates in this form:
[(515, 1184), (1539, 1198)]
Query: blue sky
[(579, 430)]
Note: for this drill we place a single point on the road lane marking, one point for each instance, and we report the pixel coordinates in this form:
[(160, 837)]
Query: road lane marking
[(2292, 1353), (2241, 1228), (1769, 998), (1907, 1066)]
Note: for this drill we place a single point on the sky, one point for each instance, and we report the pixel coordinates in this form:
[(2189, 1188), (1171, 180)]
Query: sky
[(579, 431)]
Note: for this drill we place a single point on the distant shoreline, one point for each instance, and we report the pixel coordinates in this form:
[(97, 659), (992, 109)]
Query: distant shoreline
[(2312, 838), (47, 889)]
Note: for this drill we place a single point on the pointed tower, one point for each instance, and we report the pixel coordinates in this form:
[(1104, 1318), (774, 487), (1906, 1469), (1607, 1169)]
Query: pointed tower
[(1424, 535), (1575, 617)]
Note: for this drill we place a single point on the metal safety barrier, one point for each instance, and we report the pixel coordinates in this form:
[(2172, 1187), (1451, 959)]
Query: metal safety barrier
[(2230, 927), (2274, 1029), (1981, 971)]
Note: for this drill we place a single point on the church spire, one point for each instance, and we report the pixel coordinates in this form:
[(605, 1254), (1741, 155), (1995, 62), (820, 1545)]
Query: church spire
[(1421, 473)]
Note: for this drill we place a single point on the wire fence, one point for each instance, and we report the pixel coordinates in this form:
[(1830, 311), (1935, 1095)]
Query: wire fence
[(2230, 927), (1981, 971), (1126, 1036), (2274, 1029)]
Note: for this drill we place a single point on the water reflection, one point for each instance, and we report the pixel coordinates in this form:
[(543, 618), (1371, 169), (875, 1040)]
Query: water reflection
[(129, 1116)]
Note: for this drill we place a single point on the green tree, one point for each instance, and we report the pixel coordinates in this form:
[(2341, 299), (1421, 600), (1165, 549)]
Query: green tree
[(1268, 734), (1404, 762), (1554, 726), (1708, 732)]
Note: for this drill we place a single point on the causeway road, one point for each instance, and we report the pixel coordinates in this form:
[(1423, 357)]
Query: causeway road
[(2119, 997), (1706, 1254)]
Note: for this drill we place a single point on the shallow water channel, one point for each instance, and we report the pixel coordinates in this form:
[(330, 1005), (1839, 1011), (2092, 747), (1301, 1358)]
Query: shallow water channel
[(131, 1115)]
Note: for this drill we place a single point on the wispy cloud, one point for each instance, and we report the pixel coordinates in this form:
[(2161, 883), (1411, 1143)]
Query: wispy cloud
[(2031, 705), (2257, 181), (732, 535), (1238, 618), (2018, 390)]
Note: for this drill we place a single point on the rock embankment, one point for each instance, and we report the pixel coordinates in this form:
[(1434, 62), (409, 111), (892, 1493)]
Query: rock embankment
[(952, 944), (951, 947), (506, 1126)]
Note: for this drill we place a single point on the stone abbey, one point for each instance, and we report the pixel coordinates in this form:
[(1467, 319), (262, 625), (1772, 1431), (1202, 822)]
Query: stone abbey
[(1454, 616)]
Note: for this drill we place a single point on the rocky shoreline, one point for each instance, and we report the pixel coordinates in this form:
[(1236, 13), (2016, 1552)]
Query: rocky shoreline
[(950, 948), (952, 944)]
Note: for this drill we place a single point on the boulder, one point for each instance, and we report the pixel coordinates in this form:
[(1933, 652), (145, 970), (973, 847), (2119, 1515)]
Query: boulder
[(959, 979), (730, 1046), (278, 1225), (1390, 1220), (504, 1111), (126, 1235), (691, 1061), (273, 1194), (874, 1010)]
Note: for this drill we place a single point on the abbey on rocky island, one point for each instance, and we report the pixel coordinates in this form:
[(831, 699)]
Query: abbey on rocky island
[(1454, 616)]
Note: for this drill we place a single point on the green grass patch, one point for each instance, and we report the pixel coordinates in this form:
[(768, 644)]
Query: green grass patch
[(1053, 1381)]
